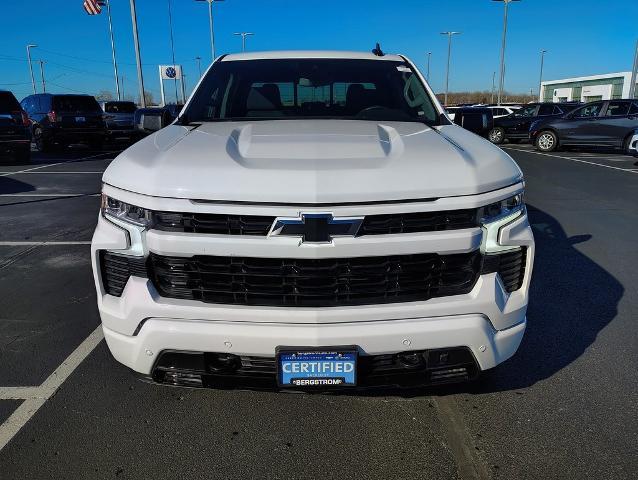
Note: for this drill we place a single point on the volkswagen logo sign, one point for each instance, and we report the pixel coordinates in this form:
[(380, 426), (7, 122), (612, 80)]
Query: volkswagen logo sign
[(170, 72)]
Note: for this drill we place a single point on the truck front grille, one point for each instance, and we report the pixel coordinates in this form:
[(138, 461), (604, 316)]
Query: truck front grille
[(314, 282), (221, 224)]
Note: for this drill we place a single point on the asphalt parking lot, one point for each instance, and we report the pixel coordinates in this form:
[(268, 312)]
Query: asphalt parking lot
[(564, 407)]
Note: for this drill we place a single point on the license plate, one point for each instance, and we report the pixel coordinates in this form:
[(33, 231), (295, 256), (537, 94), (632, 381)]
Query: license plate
[(325, 367), (80, 119)]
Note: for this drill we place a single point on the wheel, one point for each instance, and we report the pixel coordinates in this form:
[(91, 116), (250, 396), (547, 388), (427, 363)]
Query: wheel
[(23, 155), (547, 141), (42, 144), (497, 135)]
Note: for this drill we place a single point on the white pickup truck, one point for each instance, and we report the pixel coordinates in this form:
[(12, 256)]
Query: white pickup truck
[(312, 219)]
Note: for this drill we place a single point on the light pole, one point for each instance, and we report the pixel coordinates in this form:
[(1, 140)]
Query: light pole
[(212, 31), (429, 57), (634, 73), (502, 80), (199, 65), (449, 53), (243, 39), (29, 47), (138, 57), (44, 85), (493, 86), (117, 78), (540, 82)]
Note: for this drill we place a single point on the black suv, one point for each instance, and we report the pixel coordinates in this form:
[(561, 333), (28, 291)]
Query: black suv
[(15, 135), (609, 123), (515, 126), (60, 120)]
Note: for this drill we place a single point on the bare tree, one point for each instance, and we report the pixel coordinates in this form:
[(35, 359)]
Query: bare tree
[(104, 96), (148, 96), (484, 97)]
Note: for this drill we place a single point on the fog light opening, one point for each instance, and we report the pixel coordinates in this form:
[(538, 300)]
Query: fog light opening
[(411, 359), (222, 362)]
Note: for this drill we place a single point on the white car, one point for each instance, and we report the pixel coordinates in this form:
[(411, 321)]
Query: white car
[(312, 219)]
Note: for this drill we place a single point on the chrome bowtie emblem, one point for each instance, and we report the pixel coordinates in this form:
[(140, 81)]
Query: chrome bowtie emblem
[(316, 227)]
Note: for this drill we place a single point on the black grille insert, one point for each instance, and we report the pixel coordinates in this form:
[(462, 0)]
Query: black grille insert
[(510, 266), (116, 270), (314, 282), (211, 223)]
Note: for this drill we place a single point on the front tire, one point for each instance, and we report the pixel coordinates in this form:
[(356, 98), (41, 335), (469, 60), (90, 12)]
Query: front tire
[(547, 141), (497, 135), (41, 143)]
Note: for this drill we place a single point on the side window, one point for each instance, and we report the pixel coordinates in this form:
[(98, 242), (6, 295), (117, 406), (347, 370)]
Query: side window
[(617, 109), (545, 110), (526, 112), (634, 109), (557, 111), (416, 97), (588, 111)]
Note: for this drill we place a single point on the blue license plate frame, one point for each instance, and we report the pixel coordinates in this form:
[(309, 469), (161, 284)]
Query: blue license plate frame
[(326, 367)]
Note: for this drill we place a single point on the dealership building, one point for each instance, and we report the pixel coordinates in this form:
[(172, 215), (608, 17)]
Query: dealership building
[(610, 86)]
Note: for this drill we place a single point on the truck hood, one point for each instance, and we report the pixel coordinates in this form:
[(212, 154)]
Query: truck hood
[(312, 162)]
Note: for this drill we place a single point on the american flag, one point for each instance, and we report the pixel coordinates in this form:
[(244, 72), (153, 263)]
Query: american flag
[(93, 7)]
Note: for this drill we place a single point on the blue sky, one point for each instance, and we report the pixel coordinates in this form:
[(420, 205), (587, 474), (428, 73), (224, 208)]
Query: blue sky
[(583, 37)]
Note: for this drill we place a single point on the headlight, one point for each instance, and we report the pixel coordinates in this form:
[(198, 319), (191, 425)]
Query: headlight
[(126, 212), (494, 216), (504, 208)]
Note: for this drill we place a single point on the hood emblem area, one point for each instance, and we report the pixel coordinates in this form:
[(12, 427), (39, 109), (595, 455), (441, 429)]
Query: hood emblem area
[(316, 227)]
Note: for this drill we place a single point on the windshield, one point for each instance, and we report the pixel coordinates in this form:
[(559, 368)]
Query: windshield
[(380, 90), (120, 107)]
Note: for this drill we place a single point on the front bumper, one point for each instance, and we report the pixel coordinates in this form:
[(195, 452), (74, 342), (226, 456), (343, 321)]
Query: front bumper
[(140, 324), (489, 347)]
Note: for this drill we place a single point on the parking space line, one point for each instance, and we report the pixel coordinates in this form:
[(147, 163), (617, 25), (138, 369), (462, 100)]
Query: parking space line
[(39, 395), (20, 393), (54, 164), (573, 160), (40, 244)]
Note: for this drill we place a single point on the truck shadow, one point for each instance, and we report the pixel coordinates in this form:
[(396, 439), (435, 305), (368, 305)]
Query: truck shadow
[(10, 186)]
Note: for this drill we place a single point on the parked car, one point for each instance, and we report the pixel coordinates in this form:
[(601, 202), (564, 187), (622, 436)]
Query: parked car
[(515, 126), (499, 111), (475, 119), (15, 134), (151, 119), (312, 219), (59, 120), (609, 123), (120, 120)]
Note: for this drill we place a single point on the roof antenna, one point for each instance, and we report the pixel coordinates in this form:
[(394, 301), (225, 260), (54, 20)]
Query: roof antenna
[(377, 51)]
